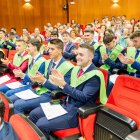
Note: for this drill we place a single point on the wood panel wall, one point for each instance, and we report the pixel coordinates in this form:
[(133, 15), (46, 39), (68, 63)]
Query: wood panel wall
[(15, 13), (84, 11)]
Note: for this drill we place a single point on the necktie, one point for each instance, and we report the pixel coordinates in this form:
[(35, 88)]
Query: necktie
[(32, 63), (108, 52), (137, 53), (80, 73), (65, 46), (49, 69), (53, 65), (19, 55)]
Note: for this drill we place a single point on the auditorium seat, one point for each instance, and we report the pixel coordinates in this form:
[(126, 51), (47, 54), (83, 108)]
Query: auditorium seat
[(11, 54), (74, 133), (86, 121), (9, 107), (46, 57), (120, 116), (25, 129)]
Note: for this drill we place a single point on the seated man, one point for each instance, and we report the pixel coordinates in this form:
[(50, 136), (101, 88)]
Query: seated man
[(109, 54), (109, 57), (6, 130), (86, 83), (45, 87), (69, 47), (36, 64), (88, 37), (2, 38), (20, 60), (132, 58), (10, 41)]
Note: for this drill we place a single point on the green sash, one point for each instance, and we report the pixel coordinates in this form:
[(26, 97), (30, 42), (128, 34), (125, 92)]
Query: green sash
[(113, 56), (18, 61), (11, 41), (131, 52), (1, 41), (63, 68), (34, 69), (77, 81), (96, 45)]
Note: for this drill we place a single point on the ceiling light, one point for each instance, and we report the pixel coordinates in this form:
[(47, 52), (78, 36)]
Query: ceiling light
[(27, 1)]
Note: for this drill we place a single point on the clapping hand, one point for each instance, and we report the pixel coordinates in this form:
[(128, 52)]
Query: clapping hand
[(104, 57), (57, 78), (18, 73), (122, 58), (38, 77)]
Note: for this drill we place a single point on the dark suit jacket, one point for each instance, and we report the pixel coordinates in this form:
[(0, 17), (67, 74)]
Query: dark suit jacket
[(113, 64), (86, 92), (136, 65), (41, 70), (68, 54), (7, 132), (49, 85)]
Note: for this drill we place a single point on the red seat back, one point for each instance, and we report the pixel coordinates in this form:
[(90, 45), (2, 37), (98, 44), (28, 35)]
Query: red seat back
[(46, 57), (126, 94), (25, 129), (11, 54), (9, 107)]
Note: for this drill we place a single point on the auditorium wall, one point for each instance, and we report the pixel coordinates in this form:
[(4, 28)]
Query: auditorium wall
[(17, 13)]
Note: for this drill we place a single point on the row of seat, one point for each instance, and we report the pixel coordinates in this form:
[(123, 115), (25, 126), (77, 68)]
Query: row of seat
[(68, 134), (118, 119), (10, 54), (24, 128), (115, 121)]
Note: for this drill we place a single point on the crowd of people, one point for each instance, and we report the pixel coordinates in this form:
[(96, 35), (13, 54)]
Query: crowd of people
[(113, 45)]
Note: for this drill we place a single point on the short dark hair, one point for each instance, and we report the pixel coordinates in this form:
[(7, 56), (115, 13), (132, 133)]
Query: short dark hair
[(35, 42), (2, 31), (11, 33), (21, 40), (87, 46), (54, 33), (2, 109), (109, 31), (135, 34), (108, 38), (65, 33), (25, 28), (89, 31), (58, 43), (89, 24), (13, 28), (123, 15)]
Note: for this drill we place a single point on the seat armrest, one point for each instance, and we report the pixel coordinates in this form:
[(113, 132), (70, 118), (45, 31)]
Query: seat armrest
[(134, 136), (57, 93), (88, 109)]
